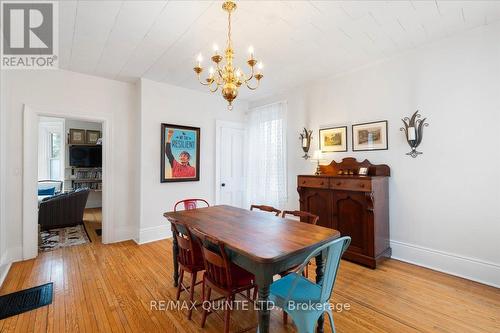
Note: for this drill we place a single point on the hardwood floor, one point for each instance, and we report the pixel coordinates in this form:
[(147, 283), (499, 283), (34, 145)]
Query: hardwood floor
[(108, 288), (92, 218)]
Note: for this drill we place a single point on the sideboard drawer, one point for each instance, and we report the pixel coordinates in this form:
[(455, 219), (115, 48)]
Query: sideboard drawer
[(363, 185), (313, 182)]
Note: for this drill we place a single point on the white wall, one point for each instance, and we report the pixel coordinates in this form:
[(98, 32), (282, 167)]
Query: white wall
[(95, 198), (80, 95), (4, 261), (443, 204), (161, 103)]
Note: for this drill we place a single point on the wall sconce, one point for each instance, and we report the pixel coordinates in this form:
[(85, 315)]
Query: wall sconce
[(305, 140), (414, 131)]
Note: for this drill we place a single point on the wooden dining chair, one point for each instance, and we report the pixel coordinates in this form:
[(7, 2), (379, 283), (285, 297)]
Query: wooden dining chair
[(265, 208), (221, 275), (190, 260), (304, 216)]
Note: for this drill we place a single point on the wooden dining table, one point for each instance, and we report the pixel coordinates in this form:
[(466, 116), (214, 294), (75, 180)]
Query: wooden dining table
[(259, 242)]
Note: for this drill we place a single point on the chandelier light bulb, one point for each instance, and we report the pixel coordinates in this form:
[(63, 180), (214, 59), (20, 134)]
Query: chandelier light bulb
[(216, 48), (199, 58), (260, 66), (250, 50), (211, 71)]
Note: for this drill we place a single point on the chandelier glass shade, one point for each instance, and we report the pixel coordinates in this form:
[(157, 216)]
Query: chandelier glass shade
[(224, 74)]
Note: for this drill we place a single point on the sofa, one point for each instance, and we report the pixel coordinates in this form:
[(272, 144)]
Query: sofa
[(62, 210)]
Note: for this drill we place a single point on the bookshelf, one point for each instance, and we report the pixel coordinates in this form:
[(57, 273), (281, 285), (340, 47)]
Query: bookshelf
[(86, 177)]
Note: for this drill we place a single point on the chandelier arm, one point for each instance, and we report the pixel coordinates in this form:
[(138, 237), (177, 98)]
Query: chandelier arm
[(204, 83), (251, 76), (213, 89), (253, 88)]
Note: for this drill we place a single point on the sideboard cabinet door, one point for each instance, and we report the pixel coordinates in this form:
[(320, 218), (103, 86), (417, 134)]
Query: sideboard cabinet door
[(318, 202), (351, 218)]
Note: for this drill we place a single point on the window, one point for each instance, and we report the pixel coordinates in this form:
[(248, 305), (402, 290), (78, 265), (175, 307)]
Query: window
[(51, 149), (266, 184), (54, 155)]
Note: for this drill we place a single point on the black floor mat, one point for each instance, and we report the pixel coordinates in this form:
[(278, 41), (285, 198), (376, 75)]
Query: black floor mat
[(25, 300), (98, 232)]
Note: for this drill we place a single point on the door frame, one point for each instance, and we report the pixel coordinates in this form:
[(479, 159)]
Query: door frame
[(219, 125), (31, 116)]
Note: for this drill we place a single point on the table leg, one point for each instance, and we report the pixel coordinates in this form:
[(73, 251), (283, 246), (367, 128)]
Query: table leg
[(175, 252), (319, 279), (264, 315)]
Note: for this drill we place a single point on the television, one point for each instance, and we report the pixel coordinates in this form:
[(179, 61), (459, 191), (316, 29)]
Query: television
[(85, 156)]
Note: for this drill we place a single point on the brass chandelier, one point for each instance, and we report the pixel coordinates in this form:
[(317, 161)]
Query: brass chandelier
[(226, 76)]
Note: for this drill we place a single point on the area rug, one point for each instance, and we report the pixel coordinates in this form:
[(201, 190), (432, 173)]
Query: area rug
[(62, 237)]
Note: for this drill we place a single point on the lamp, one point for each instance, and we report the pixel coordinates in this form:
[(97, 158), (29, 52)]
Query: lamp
[(318, 157), (414, 132)]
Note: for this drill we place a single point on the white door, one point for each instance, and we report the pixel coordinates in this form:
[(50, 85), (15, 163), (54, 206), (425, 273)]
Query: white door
[(230, 186)]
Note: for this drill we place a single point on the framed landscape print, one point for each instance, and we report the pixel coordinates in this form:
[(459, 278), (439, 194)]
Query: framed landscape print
[(333, 139), (93, 136), (370, 136), (180, 153)]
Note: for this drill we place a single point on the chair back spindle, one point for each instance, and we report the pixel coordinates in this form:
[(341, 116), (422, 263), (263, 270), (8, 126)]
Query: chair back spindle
[(186, 244), (217, 265)]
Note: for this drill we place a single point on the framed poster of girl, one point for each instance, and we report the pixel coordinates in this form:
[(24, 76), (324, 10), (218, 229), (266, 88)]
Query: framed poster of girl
[(180, 153)]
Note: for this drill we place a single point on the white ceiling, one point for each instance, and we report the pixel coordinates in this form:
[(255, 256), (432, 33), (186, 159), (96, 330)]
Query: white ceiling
[(297, 41)]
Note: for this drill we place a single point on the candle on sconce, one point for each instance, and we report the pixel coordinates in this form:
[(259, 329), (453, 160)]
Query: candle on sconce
[(411, 133), (251, 50), (304, 142)]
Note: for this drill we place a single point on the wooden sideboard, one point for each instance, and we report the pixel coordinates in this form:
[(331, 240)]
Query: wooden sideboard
[(355, 205)]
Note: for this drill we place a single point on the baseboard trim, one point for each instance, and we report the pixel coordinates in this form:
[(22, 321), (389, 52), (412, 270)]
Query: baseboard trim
[(152, 234), (464, 267), (10, 256), (4, 270), (124, 234)]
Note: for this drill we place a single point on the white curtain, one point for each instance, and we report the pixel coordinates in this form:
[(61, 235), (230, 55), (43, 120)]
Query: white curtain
[(266, 173)]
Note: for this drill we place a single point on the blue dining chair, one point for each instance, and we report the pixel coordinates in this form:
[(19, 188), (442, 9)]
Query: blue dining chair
[(304, 300)]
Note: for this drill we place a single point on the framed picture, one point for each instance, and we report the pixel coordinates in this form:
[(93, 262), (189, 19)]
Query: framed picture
[(363, 171), (333, 139), (370, 136), (180, 153), (76, 136), (93, 137)]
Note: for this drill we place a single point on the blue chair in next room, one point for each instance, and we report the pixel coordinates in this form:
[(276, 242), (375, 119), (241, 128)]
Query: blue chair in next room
[(304, 300)]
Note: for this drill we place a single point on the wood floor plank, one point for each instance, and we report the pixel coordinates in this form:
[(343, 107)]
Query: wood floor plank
[(109, 288)]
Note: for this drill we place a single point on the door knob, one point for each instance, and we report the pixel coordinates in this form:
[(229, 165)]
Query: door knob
[(223, 184)]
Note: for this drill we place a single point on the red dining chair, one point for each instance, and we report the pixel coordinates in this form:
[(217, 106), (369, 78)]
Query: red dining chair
[(191, 204), (223, 276), (308, 218), (265, 208), (190, 260)]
